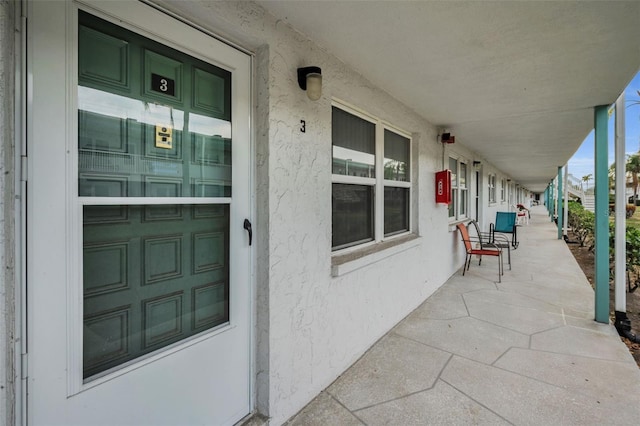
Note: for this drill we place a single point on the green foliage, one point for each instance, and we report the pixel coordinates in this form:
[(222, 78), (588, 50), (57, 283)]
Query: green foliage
[(581, 222), (632, 245)]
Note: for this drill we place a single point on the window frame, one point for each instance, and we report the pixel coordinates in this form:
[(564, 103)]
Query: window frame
[(379, 183), (491, 183), (459, 192), (503, 190)]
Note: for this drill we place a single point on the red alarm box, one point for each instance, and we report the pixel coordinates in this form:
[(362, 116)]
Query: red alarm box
[(443, 187)]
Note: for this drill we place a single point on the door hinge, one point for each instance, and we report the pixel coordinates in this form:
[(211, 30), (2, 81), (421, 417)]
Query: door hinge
[(23, 168), (24, 370)]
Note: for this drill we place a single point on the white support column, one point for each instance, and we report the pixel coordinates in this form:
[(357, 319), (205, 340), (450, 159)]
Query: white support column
[(566, 199), (620, 233)]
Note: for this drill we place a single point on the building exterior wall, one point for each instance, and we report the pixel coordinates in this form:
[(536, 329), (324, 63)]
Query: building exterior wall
[(7, 227), (310, 325)]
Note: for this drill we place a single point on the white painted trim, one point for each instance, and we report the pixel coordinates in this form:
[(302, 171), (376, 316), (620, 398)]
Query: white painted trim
[(397, 183), (353, 248), (354, 110), (141, 361), (353, 180), (148, 201), (347, 267), (392, 128), (378, 196), (106, 10), (20, 188), (199, 28), (74, 271), (253, 341)]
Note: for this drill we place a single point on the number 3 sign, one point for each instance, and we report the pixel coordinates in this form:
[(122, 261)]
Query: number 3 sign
[(163, 84)]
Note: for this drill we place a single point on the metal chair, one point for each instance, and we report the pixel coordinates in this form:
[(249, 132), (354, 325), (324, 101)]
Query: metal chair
[(522, 214), (482, 251), (497, 240), (506, 224)]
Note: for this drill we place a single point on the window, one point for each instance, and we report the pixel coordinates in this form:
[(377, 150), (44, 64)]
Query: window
[(458, 208), (502, 190), (369, 159), (492, 189), (453, 206), (511, 193), (464, 191), (396, 183)]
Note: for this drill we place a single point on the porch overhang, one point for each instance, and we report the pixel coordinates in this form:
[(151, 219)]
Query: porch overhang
[(516, 82)]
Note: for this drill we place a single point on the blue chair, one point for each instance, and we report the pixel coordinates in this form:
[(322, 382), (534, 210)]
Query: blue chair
[(505, 224)]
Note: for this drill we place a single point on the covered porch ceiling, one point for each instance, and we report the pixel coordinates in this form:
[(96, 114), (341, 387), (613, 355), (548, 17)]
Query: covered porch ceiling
[(514, 81)]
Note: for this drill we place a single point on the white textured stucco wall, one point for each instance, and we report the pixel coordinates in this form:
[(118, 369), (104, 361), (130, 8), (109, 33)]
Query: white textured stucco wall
[(310, 326), (7, 281)]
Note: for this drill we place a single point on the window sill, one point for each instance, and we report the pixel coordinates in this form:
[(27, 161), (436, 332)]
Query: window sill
[(454, 223), (349, 262)]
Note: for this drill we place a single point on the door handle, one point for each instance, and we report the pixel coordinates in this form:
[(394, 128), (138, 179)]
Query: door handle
[(247, 226)]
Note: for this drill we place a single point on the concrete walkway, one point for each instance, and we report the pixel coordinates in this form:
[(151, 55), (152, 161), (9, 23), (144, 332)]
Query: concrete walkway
[(523, 352)]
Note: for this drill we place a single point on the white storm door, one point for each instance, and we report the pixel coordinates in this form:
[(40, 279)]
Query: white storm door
[(139, 269)]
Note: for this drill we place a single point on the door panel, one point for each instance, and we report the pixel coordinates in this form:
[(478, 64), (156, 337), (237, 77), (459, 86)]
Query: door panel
[(133, 145), (138, 265), (164, 270)]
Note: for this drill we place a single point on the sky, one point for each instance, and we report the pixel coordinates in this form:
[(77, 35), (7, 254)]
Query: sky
[(582, 162)]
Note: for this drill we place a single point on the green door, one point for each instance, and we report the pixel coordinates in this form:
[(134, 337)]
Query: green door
[(138, 266), (154, 124), (153, 275)]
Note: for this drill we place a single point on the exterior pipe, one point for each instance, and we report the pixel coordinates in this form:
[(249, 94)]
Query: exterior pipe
[(623, 326), (622, 322), (621, 217)]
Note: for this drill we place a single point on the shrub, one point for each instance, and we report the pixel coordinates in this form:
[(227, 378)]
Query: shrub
[(581, 222), (632, 236), (633, 246), (630, 210)]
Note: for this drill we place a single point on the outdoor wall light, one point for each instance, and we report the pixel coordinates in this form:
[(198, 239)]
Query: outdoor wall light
[(310, 80), (476, 163)]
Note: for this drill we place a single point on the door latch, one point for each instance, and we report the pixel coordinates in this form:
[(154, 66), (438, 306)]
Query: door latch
[(247, 226)]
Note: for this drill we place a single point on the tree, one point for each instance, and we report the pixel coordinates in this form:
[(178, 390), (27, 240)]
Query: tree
[(633, 168), (612, 176), (586, 179)]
